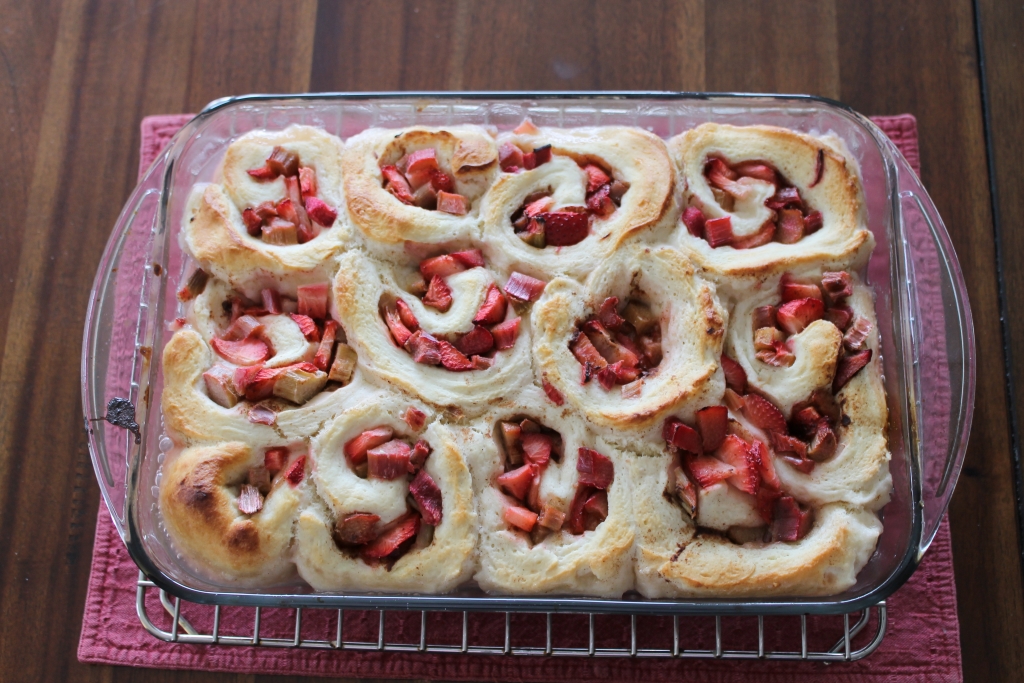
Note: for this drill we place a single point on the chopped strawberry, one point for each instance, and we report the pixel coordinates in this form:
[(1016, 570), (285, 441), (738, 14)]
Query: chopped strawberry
[(313, 301), (576, 523), (791, 522), (813, 222), (455, 204), (762, 413), (609, 349), (421, 160), (520, 517), (307, 326), (600, 203), (735, 452), (505, 334), (510, 156), (427, 496), (253, 222), (784, 197), (794, 316), (255, 382), (526, 128), (420, 452), (322, 359), (758, 170), (551, 518), (732, 400), (564, 228), (823, 445), (492, 310), (424, 348), (712, 423), (356, 529), (415, 418), (529, 160), (735, 375), (524, 287), (286, 209), (441, 182), (296, 471), (538, 206), (453, 359), (764, 316), (783, 443), (396, 184), (553, 394), (307, 182), (765, 465), (694, 220), (243, 352), (837, 286), (439, 295), (517, 482), (840, 316), (389, 460), (805, 465), (441, 266), (356, 448), (848, 366), (399, 332), (274, 459), (594, 469), (763, 236), (595, 509), (533, 234), (718, 231), (791, 226), (263, 173), (856, 337), (320, 212), (792, 291), (596, 177), (401, 531), (608, 314), (477, 341), (805, 420), (481, 362), (537, 449), (765, 500), (542, 154), (708, 471), (471, 258)]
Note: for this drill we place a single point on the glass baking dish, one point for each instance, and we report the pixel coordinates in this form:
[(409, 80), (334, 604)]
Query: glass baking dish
[(924, 321)]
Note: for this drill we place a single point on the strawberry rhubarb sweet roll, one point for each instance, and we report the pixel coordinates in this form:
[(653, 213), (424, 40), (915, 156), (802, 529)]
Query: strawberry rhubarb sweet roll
[(438, 326), (565, 199), (759, 196), (256, 370), (553, 503), (272, 210), (804, 374), (392, 507), (230, 509), (641, 338), (418, 184)]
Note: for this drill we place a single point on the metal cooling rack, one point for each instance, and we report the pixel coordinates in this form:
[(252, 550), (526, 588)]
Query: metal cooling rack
[(182, 631)]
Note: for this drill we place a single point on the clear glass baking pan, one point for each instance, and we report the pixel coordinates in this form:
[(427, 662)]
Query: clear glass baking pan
[(923, 314)]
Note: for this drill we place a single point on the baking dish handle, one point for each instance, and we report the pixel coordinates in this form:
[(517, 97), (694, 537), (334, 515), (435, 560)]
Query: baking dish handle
[(117, 344), (944, 349)]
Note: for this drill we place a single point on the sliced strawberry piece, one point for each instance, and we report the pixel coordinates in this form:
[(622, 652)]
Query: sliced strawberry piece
[(453, 359), (313, 301), (794, 316), (764, 235), (764, 316), (401, 531), (538, 206), (264, 172), (837, 285), (784, 197), (805, 420), (595, 510), (762, 413), (441, 182), (594, 469), (320, 212), (694, 220), (481, 362), (765, 465), (551, 518), (529, 161), (813, 222), (424, 348), (804, 465), (427, 496), (554, 394), (840, 316), (765, 501), (396, 184), (791, 226), (609, 349), (564, 228), (608, 313), (357, 528), (505, 334), (848, 366), (389, 460), (791, 522), (307, 326), (708, 471), (493, 309), (307, 182), (793, 291), (296, 471), (823, 445), (255, 382), (520, 517), (471, 258), (274, 460), (600, 203), (735, 452), (478, 341), (718, 231), (322, 359), (596, 177), (856, 337), (415, 418), (441, 266), (783, 443), (439, 295), (524, 287), (243, 352), (586, 352), (399, 332), (575, 523), (421, 160), (455, 204), (735, 375), (537, 449), (517, 482), (356, 448), (509, 157), (712, 423), (253, 222)]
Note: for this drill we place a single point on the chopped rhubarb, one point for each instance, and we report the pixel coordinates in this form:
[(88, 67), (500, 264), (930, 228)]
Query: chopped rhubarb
[(415, 418), (243, 352), (306, 326), (320, 212), (283, 162), (576, 523), (492, 310), (263, 173), (344, 365), (471, 258), (762, 413), (322, 359), (600, 203), (195, 285), (219, 386), (763, 236), (280, 232), (682, 436), (735, 452), (805, 465), (396, 184), (356, 448), (758, 170), (260, 478), (718, 231), (539, 206), (608, 314), (848, 366), (298, 385), (542, 154), (477, 341), (389, 460), (243, 327), (813, 222), (791, 522), (553, 393), (595, 509), (517, 482), (439, 295), (764, 316), (313, 301), (694, 220), (505, 334), (452, 358), (708, 471), (712, 423), (399, 332), (794, 316), (510, 434), (255, 382), (424, 348), (307, 182), (529, 161), (420, 452), (537, 448), (837, 286), (719, 173), (596, 177), (778, 355), (819, 168), (594, 469), (524, 287), (420, 160), (856, 337), (249, 500), (840, 316), (253, 222), (823, 445), (735, 375), (296, 471), (551, 518), (357, 528), (427, 496), (526, 128), (586, 352), (274, 460), (481, 362), (402, 530), (520, 517), (441, 266), (784, 197), (609, 349), (564, 228), (805, 420), (455, 204), (791, 226), (510, 157)]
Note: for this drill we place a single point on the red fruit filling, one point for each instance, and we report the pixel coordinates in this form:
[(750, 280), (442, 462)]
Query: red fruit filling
[(300, 215), (259, 480), (418, 179), (619, 346)]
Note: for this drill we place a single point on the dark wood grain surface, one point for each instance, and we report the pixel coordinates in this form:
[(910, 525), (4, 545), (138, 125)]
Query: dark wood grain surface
[(76, 76)]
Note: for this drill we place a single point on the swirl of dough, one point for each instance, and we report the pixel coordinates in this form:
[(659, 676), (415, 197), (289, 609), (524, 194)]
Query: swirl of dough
[(818, 167), (441, 557), (692, 328), (636, 159), (199, 494)]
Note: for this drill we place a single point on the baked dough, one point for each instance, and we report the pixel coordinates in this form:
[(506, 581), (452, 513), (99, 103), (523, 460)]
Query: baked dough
[(437, 567), (633, 155), (199, 504), (837, 195)]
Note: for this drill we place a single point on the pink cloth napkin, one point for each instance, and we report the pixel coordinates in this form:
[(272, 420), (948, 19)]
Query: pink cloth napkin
[(922, 643)]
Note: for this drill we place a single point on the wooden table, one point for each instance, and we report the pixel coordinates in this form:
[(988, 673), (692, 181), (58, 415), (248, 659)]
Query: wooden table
[(78, 76)]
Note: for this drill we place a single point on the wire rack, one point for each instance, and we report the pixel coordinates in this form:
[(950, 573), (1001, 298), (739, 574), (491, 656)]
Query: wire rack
[(858, 634)]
